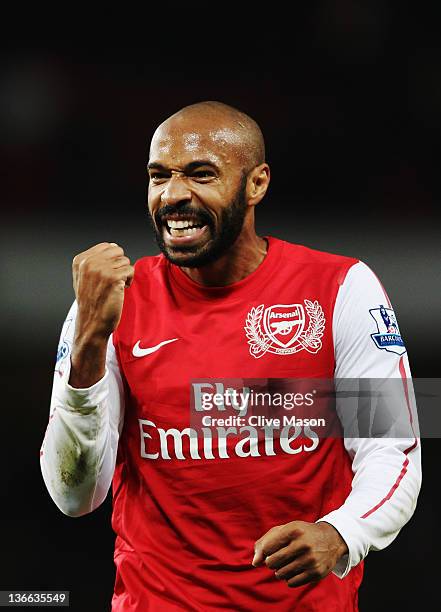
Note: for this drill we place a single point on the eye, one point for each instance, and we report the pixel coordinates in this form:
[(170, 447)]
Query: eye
[(157, 177), (203, 175)]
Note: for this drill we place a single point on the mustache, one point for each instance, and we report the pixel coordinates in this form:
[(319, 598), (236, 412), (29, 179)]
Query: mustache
[(186, 209)]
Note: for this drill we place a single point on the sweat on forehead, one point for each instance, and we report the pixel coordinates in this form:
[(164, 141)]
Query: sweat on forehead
[(203, 124)]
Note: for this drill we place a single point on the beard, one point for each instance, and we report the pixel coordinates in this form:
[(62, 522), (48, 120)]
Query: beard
[(220, 239)]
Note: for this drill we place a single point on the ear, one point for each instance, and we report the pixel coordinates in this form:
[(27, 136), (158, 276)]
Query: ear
[(257, 184)]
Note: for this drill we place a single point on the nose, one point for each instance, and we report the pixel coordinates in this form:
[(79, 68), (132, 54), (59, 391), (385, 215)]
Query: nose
[(176, 191)]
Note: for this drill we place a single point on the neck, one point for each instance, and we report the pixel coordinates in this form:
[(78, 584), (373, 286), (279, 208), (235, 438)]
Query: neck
[(242, 259)]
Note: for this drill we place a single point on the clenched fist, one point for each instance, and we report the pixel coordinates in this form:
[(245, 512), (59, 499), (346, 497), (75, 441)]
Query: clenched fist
[(100, 276), (300, 552)]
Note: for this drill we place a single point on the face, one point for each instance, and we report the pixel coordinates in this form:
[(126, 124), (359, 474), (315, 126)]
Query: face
[(197, 192)]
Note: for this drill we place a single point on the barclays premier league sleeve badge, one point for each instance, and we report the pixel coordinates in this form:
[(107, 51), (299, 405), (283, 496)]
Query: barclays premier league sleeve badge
[(388, 336)]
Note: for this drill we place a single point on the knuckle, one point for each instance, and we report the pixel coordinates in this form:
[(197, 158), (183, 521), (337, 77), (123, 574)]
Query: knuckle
[(266, 550), (308, 561), (110, 275), (84, 262), (102, 246), (275, 562), (296, 531), (77, 260), (282, 573), (307, 548)]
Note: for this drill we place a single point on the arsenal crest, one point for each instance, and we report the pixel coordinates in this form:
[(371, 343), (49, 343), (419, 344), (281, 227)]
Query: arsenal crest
[(280, 329)]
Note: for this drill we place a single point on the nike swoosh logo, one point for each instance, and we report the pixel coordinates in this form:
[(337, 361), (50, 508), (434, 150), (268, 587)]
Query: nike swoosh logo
[(140, 352)]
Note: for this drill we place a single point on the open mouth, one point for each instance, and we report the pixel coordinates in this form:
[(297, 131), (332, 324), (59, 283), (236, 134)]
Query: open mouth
[(181, 227)]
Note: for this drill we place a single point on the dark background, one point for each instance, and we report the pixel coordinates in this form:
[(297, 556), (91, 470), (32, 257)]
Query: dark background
[(349, 101)]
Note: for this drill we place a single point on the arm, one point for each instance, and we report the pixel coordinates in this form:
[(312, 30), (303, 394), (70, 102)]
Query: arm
[(79, 450), (386, 465), (387, 469)]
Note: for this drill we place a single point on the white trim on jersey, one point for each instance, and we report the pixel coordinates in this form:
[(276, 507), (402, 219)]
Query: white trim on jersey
[(387, 470)]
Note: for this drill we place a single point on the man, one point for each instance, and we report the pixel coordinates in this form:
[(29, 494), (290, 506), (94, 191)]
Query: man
[(215, 519)]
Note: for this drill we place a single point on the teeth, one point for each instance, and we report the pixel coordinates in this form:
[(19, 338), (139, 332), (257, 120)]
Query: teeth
[(187, 231), (180, 224)]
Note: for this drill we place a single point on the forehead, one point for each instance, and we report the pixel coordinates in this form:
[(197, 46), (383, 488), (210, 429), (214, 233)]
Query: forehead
[(180, 142)]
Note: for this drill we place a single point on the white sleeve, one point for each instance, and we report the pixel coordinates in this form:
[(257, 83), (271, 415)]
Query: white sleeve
[(79, 449), (387, 469)]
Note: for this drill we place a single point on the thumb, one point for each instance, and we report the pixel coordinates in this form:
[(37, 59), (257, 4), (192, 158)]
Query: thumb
[(259, 556)]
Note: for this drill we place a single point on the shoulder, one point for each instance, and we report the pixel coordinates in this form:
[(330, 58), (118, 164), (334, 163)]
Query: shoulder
[(303, 255), (360, 281)]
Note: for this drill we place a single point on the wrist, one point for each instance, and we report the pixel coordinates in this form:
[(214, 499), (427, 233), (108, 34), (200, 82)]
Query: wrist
[(338, 542), (88, 360)]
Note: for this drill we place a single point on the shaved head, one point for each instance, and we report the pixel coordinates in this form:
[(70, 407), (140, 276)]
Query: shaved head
[(226, 126)]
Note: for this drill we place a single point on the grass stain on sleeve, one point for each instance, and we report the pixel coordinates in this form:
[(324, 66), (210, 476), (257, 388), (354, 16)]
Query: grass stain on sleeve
[(73, 467)]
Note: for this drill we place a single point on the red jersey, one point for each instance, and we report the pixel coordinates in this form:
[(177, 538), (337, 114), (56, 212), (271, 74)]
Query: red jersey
[(188, 502), (186, 526)]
